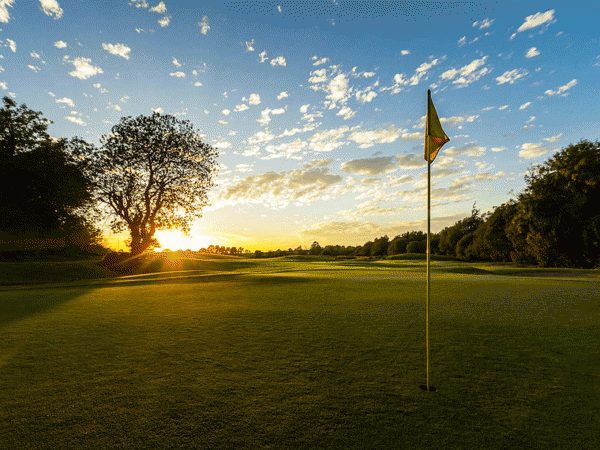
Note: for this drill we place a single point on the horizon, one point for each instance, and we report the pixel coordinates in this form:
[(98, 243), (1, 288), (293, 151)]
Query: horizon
[(318, 113)]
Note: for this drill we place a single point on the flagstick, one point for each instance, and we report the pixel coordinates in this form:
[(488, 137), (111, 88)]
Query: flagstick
[(428, 232)]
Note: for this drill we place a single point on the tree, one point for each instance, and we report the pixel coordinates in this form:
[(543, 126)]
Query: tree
[(416, 247), (558, 212), (380, 246), (151, 173), (45, 193), (315, 249)]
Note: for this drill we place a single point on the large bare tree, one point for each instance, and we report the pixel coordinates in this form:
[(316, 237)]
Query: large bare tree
[(150, 173)]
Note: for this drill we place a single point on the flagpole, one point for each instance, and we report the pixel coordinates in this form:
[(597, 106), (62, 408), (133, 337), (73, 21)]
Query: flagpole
[(428, 232)]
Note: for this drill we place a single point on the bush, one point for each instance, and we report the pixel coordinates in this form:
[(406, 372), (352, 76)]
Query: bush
[(416, 247)]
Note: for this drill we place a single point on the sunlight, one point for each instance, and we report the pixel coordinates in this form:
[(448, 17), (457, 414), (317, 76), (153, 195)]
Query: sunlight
[(175, 240)]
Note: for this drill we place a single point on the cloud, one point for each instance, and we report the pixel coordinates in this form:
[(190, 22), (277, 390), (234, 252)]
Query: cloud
[(503, 107), (562, 89), (371, 166), (405, 52), (117, 49), (263, 56), (469, 149), (226, 112), (554, 138), (318, 76), (249, 47), (84, 69), (363, 98), (304, 108), (204, 27), (76, 120), (164, 22), (177, 74), (326, 141), (320, 61), (462, 41), (160, 8), (532, 52), (4, 15), (367, 139), (277, 190), (12, 45), (66, 101), (178, 64), (265, 117), (338, 91), (261, 136), (525, 105), (158, 110), (498, 149), (280, 60), (197, 83), (285, 150), (60, 44), (282, 95), (139, 3), (240, 108), (254, 99), (531, 151), (485, 23), (468, 74), (535, 20), (510, 76), (346, 112), (51, 8), (34, 68)]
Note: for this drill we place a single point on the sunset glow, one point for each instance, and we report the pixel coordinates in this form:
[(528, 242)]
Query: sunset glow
[(175, 240)]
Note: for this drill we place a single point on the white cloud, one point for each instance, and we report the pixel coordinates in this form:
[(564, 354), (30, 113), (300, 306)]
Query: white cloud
[(84, 69), (12, 45), (3, 85), (468, 74), (498, 149), (66, 101), (531, 151), (282, 95), (510, 76), (76, 120), (263, 56), (158, 110), (226, 112), (279, 60), (338, 90), (160, 8), (164, 22), (469, 149), (367, 139), (285, 150), (368, 74), (525, 105), (117, 49), (178, 64), (177, 74), (51, 8), (318, 76), (204, 27), (405, 52), (462, 41), (562, 89), (34, 68), (320, 61), (4, 15), (34, 54), (60, 44), (325, 141), (532, 52), (249, 47), (279, 8), (197, 83), (261, 136), (346, 112), (502, 107), (535, 20), (304, 108), (254, 99), (485, 23), (371, 166), (364, 98), (554, 138), (240, 108), (139, 3), (264, 115)]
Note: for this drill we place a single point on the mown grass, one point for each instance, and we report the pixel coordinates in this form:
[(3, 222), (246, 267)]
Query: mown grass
[(301, 354)]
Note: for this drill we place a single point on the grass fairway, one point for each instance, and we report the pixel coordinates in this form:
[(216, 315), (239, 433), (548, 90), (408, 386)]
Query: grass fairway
[(289, 353)]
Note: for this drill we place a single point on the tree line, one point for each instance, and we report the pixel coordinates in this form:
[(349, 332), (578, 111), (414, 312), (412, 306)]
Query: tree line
[(154, 172)]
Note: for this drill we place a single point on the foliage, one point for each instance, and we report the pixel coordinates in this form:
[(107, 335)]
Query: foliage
[(416, 247), (151, 173), (380, 246), (451, 236)]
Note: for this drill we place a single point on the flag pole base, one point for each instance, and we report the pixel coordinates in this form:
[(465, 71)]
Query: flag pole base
[(431, 388)]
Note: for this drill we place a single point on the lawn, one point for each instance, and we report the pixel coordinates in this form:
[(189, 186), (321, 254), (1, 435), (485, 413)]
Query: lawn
[(284, 353)]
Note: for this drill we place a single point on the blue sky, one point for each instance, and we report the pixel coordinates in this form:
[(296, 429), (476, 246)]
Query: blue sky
[(317, 108)]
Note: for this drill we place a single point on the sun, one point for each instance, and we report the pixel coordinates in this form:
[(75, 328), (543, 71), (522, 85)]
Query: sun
[(175, 240)]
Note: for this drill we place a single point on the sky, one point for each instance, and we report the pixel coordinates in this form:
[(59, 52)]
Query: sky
[(317, 108)]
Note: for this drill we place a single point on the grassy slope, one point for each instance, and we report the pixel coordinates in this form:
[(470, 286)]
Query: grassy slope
[(301, 355)]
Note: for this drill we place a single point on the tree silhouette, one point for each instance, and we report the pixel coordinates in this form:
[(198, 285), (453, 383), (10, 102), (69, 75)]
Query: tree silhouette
[(151, 173)]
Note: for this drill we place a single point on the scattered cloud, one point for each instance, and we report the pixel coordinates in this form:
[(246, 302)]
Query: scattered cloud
[(554, 138), (204, 27), (263, 56), (562, 90), (117, 49), (327, 140), (469, 149), (366, 139), (178, 74), (66, 101), (254, 99), (76, 120), (531, 151), (280, 60), (485, 23), (240, 108), (60, 44), (525, 105), (12, 45), (536, 20), (405, 52), (510, 76), (320, 61), (249, 47), (282, 95), (51, 8), (83, 68), (265, 115), (468, 74), (462, 41), (160, 8), (158, 110), (4, 5), (532, 52), (371, 166), (34, 68), (164, 22), (178, 64)]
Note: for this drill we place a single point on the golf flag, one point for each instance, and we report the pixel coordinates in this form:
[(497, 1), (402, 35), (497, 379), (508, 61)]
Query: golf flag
[(435, 137)]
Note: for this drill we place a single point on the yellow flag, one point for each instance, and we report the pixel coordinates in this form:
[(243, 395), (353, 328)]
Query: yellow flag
[(435, 137)]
